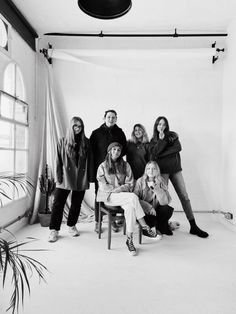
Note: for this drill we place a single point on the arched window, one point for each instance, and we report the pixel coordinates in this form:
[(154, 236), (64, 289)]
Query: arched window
[(13, 127)]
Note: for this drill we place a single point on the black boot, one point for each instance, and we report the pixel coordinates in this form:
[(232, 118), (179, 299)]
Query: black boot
[(196, 230), (165, 229)]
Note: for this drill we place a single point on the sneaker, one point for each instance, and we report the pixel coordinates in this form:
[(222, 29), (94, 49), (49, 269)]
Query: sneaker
[(159, 235), (131, 247), (53, 237), (148, 232), (73, 231), (114, 227), (96, 229)]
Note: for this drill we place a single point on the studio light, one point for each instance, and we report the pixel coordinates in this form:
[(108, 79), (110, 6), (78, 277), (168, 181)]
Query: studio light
[(105, 9)]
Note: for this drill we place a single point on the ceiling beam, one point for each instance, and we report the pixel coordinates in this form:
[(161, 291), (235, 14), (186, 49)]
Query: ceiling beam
[(18, 22)]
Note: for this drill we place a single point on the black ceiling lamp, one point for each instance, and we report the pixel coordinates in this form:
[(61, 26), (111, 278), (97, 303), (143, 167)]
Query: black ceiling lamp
[(105, 9)]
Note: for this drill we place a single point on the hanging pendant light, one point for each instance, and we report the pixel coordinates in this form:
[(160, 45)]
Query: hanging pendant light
[(105, 9)]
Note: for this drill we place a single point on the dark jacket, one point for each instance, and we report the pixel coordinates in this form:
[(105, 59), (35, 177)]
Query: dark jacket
[(72, 174), (100, 139), (137, 157), (166, 153)]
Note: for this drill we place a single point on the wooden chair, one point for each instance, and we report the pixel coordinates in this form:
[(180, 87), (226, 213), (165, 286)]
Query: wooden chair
[(113, 213)]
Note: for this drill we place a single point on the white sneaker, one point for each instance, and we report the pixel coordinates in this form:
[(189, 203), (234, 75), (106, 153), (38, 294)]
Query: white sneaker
[(159, 236), (53, 237), (174, 225), (73, 231)]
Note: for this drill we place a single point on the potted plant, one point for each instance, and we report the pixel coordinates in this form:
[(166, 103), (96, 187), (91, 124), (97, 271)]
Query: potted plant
[(47, 186), (16, 267)]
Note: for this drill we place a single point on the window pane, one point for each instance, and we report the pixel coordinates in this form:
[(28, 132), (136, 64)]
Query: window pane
[(7, 105), (21, 162), (6, 161), (21, 137), (21, 112), (9, 79), (6, 134)]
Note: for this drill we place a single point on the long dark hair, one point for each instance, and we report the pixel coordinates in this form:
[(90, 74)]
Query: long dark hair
[(155, 136), (70, 143), (113, 167)]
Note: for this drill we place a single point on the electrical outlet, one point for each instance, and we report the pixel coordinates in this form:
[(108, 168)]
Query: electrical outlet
[(228, 215)]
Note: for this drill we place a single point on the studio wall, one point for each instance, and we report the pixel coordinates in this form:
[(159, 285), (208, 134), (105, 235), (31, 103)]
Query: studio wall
[(228, 125)]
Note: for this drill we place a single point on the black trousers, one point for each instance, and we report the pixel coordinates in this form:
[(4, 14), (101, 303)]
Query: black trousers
[(60, 198), (160, 221)]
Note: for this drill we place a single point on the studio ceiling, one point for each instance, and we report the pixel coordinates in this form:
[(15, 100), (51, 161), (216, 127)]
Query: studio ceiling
[(64, 16)]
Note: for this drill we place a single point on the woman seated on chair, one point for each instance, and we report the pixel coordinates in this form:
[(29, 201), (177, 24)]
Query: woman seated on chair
[(115, 181), (154, 198)]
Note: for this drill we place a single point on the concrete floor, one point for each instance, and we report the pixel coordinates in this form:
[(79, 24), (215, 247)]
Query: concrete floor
[(179, 274)]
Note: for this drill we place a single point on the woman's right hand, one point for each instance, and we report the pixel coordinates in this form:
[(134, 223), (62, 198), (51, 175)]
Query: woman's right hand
[(153, 212), (161, 135)]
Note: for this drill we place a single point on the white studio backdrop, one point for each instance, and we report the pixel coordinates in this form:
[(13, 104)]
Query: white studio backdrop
[(187, 90)]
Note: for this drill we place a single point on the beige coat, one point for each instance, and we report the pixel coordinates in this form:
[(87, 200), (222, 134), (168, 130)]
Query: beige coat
[(74, 177), (151, 198), (113, 183)]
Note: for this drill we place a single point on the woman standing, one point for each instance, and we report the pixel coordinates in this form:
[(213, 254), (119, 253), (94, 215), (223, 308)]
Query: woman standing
[(100, 139), (165, 149), (137, 150), (116, 182), (154, 198), (71, 175)]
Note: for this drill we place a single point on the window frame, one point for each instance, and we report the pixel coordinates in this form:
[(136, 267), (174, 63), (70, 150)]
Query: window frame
[(14, 122)]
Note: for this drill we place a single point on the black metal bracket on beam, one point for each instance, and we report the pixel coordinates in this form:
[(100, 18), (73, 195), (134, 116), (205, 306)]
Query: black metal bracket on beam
[(215, 58), (44, 51), (174, 35)]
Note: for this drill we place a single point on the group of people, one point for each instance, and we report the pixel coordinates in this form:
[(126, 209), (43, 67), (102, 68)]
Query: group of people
[(138, 184)]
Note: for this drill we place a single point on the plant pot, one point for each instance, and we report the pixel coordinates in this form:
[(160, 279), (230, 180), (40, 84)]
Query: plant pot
[(44, 219)]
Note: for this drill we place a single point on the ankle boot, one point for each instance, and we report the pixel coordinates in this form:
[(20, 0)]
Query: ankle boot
[(165, 229), (194, 229)]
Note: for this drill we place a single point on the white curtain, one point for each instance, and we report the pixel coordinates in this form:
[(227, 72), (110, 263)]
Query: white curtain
[(52, 131)]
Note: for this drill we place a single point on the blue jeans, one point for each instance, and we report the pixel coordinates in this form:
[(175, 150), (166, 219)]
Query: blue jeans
[(177, 181)]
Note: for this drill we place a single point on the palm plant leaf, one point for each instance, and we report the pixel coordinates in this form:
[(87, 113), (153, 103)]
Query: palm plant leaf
[(22, 266), (18, 181)]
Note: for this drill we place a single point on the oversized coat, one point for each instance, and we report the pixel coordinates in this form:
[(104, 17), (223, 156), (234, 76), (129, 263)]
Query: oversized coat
[(74, 176), (100, 139), (113, 183), (166, 153), (151, 198)]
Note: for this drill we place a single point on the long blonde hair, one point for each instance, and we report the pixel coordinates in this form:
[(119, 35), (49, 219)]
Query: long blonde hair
[(158, 178), (70, 138)]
